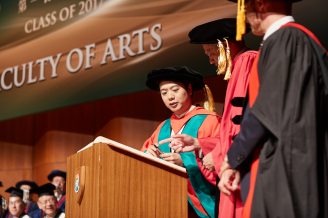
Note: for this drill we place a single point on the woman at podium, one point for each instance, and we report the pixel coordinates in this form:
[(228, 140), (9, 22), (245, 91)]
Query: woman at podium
[(176, 86)]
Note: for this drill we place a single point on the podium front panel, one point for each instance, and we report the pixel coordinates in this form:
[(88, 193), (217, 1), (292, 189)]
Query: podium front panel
[(122, 184)]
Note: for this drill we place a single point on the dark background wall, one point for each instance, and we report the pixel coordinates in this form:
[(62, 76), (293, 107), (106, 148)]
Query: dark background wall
[(310, 13), (34, 145)]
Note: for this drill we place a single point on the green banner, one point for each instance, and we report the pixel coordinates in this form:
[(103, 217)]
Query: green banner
[(56, 53)]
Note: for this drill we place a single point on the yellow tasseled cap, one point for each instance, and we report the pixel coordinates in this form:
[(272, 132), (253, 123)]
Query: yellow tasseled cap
[(241, 20)]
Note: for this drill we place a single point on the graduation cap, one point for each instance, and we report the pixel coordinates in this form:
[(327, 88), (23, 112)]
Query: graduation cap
[(209, 33), (26, 182), (15, 192), (154, 77), (241, 18), (56, 173), (47, 189)]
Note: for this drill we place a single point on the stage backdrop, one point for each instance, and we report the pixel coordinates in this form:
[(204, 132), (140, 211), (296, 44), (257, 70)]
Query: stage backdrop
[(56, 53)]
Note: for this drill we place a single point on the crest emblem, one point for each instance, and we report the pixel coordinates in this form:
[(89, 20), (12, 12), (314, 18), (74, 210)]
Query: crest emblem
[(77, 183)]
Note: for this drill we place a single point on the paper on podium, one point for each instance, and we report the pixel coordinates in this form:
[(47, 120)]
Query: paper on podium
[(97, 140), (101, 139)]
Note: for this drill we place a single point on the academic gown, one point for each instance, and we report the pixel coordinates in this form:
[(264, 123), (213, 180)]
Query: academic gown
[(38, 213), (59, 214), (31, 207), (209, 128), (231, 206), (61, 203), (288, 95)]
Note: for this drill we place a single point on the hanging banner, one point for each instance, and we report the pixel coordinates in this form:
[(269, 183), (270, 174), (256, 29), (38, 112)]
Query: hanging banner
[(56, 53)]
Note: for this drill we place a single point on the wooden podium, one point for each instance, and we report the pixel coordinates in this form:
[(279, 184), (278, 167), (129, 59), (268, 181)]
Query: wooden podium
[(113, 180)]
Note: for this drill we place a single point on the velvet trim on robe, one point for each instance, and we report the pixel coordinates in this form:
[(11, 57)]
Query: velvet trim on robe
[(61, 203), (205, 191), (37, 214), (30, 208), (231, 206), (209, 128)]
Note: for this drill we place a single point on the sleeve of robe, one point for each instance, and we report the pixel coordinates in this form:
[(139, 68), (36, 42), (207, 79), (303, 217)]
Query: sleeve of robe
[(252, 134), (209, 128), (221, 143), (230, 206)]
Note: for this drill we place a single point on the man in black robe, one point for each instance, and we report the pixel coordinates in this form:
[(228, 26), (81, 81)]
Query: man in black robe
[(281, 151)]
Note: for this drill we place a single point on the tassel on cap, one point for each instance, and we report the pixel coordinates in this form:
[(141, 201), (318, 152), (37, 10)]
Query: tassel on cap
[(229, 62), (241, 20), (209, 101), (26, 195), (3, 204), (58, 192), (222, 65)]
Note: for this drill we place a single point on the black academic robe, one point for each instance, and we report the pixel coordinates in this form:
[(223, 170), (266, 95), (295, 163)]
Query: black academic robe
[(291, 103), (252, 134)]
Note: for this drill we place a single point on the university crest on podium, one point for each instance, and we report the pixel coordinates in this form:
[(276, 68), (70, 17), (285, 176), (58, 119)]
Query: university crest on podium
[(77, 183)]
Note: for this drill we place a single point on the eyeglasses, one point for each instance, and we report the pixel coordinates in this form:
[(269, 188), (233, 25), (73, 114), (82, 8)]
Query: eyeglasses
[(14, 202), (52, 200), (58, 181)]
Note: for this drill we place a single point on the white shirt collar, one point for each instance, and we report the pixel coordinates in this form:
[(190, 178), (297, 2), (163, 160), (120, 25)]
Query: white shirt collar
[(276, 25), (190, 109)]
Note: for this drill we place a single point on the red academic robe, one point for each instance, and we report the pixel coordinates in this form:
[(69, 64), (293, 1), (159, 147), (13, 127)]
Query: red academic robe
[(209, 128), (231, 206)]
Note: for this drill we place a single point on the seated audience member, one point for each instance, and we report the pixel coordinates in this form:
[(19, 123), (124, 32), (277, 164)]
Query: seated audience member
[(58, 179), (48, 202), (16, 205), (26, 186)]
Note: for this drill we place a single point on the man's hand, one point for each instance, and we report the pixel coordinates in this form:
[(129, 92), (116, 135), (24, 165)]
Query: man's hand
[(172, 158), (153, 151), (182, 143), (229, 181), (208, 162), (225, 166)]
